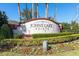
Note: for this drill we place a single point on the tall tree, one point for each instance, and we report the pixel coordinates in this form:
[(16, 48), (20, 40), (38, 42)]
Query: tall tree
[(26, 13), (74, 27), (5, 30), (46, 10), (36, 15), (30, 13), (66, 27), (19, 12), (3, 18)]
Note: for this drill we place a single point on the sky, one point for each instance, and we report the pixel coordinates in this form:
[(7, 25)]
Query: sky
[(66, 12)]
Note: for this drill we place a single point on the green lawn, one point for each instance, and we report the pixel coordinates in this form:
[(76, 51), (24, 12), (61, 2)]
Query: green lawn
[(69, 53)]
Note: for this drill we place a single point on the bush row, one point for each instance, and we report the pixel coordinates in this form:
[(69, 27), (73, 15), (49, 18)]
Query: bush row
[(36, 42), (50, 35)]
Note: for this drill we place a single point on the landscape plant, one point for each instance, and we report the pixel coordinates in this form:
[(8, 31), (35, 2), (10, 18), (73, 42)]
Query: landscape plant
[(39, 41)]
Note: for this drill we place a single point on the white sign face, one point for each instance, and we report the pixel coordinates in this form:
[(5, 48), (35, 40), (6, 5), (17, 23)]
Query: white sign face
[(40, 26)]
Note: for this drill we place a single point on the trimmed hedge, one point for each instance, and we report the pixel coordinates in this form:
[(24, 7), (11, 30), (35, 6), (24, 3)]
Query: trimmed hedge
[(50, 35), (36, 42)]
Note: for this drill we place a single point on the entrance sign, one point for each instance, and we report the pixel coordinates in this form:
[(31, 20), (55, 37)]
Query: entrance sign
[(40, 26)]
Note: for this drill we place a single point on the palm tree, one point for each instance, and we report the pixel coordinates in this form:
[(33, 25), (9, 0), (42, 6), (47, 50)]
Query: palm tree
[(32, 10), (55, 12), (46, 10), (19, 12), (36, 10), (32, 13), (26, 13)]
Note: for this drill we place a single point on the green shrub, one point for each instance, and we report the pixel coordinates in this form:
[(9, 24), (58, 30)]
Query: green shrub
[(39, 41), (51, 35), (5, 32), (16, 36)]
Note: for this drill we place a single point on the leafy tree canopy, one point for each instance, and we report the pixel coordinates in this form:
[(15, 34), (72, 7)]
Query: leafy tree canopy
[(3, 18), (5, 30)]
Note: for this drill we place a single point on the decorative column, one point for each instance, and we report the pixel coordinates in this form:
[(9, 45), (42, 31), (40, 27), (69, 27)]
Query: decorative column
[(46, 10)]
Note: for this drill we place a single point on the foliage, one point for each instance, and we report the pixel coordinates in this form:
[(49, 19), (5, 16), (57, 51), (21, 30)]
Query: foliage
[(52, 19), (66, 27), (51, 35), (62, 49), (26, 14), (39, 41), (71, 27), (3, 18), (5, 32), (31, 47), (75, 27), (16, 36)]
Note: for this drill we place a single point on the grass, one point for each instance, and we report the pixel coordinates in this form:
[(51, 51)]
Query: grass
[(9, 54), (69, 53)]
